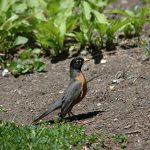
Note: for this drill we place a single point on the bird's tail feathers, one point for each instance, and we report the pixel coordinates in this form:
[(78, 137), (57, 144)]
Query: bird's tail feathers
[(57, 104)]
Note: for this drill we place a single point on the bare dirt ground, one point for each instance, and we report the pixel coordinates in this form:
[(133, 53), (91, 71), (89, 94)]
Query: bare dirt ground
[(122, 107)]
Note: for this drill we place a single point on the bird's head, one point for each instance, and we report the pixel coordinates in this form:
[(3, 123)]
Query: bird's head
[(77, 63)]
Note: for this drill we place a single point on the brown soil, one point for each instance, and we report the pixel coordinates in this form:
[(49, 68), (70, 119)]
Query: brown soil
[(122, 107)]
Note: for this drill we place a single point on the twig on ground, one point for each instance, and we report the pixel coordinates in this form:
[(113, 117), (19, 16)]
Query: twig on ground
[(93, 78), (133, 132), (139, 76)]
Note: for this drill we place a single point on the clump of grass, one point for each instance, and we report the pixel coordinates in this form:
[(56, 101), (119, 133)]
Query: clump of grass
[(61, 136)]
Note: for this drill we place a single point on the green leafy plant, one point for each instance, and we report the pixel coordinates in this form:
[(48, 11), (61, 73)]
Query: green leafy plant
[(137, 16), (113, 29), (17, 20), (108, 30), (99, 5), (88, 17), (83, 35), (57, 25), (51, 33), (27, 62)]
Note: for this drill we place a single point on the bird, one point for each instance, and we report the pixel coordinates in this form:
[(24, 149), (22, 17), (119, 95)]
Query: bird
[(73, 94)]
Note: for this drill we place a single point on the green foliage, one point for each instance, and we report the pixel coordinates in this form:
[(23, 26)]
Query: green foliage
[(146, 46), (137, 17), (120, 139), (108, 29), (17, 19), (50, 23), (113, 29), (20, 40), (147, 1), (52, 32), (2, 108), (27, 62), (50, 35), (62, 136)]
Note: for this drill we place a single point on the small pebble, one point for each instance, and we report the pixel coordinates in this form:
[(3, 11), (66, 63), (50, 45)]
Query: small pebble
[(103, 61), (116, 81), (17, 102), (99, 104), (5, 73), (61, 91), (84, 53), (99, 80), (112, 87), (115, 119), (19, 92)]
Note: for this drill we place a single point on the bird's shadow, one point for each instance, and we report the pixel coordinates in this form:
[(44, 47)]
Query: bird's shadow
[(78, 117)]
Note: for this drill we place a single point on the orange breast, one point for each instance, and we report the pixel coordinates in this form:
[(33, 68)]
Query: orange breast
[(82, 79)]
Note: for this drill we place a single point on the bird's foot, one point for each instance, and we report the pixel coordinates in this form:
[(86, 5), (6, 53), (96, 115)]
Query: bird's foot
[(70, 114)]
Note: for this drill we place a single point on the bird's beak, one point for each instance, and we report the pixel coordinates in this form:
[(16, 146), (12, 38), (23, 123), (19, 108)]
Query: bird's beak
[(86, 60)]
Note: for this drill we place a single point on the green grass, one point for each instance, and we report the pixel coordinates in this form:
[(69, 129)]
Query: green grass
[(61, 136)]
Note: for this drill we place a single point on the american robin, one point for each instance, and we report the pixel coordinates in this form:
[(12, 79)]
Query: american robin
[(73, 94)]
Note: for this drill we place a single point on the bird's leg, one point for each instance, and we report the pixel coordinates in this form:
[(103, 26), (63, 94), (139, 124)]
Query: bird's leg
[(70, 113)]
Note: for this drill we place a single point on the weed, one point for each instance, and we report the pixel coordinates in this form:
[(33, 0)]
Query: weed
[(2, 108), (146, 46), (28, 61)]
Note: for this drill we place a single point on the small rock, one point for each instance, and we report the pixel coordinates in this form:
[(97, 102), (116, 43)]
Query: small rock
[(61, 91), (116, 81), (84, 53), (19, 91), (99, 104), (5, 73), (45, 77), (112, 87), (18, 102), (99, 80), (115, 119), (103, 61)]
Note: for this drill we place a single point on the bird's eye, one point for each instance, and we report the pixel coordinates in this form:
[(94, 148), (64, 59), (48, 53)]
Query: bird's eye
[(78, 61)]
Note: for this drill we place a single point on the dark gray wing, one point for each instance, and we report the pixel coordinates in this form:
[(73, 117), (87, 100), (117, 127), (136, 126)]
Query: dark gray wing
[(71, 94)]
